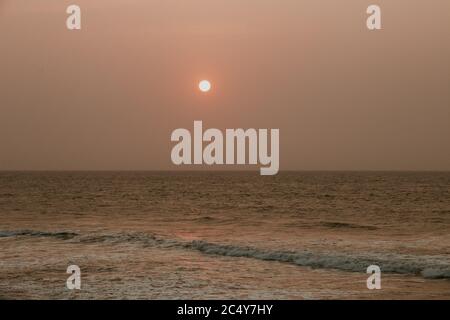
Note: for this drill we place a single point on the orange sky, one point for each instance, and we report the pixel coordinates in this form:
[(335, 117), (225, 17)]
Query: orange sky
[(109, 96)]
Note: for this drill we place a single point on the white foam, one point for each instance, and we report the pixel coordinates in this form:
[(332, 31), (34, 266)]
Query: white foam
[(426, 266)]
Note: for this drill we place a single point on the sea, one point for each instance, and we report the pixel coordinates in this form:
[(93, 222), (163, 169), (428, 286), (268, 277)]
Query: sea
[(224, 235)]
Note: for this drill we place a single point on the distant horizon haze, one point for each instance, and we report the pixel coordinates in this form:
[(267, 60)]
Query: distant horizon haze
[(108, 96)]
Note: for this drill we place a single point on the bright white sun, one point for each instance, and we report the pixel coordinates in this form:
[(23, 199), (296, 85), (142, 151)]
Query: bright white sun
[(204, 85)]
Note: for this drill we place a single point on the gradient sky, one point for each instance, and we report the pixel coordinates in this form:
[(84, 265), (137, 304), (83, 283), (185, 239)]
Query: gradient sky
[(108, 97)]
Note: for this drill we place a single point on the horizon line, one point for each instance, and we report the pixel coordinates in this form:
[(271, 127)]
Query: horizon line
[(223, 170)]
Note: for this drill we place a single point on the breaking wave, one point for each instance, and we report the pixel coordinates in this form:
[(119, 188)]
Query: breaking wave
[(403, 264), (433, 267)]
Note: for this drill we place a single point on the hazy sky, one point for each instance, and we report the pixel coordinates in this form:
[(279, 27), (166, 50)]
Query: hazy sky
[(109, 96)]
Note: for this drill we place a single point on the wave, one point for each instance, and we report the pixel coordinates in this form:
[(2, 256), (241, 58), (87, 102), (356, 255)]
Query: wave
[(31, 233), (334, 225), (432, 267), (403, 264)]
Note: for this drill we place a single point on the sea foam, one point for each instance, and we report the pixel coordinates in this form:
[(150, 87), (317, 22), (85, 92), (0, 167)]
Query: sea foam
[(427, 266)]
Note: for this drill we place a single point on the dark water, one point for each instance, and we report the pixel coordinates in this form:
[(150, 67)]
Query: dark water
[(224, 234)]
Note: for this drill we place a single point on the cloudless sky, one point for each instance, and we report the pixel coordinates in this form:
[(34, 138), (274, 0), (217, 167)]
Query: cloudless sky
[(108, 96)]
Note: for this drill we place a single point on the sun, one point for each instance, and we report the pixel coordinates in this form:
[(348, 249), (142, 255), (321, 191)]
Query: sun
[(204, 85)]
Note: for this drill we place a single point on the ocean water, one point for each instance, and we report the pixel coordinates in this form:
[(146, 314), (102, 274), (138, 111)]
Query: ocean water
[(233, 235)]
